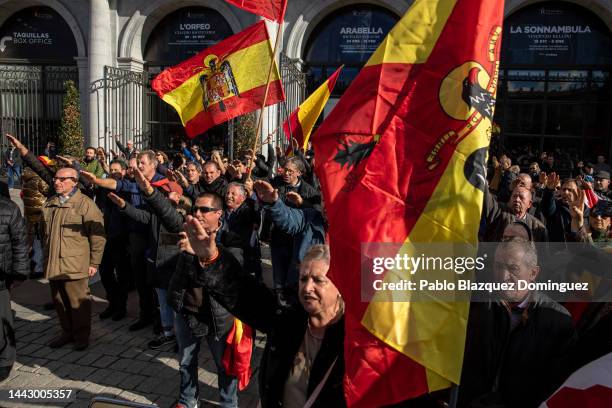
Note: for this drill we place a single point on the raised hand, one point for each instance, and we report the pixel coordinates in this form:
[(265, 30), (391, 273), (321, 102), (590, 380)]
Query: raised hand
[(65, 160), (142, 182), (552, 181), (265, 191), (13, 140), (184, 244), (88, 176), (118, 201), (543, 177), (576, 206), (202, 242), (233, 172), (295, 198), (248, 185), (17, 144)]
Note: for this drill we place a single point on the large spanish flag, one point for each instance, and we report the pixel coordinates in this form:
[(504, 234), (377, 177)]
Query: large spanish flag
[(271, 9), (401, 159), (302, 120), (223, 81)]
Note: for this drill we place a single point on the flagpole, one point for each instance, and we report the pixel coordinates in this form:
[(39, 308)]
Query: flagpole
[(263, 103)]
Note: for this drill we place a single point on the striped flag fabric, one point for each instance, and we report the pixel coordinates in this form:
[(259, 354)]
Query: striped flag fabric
[(238, 351), (401, 159), (589, 387), (273, 10), (300, 123), (223, 81)]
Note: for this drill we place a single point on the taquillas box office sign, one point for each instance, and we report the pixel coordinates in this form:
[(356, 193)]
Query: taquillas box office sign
[(37, 33)]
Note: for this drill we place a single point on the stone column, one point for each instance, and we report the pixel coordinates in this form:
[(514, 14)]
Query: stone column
[(83, 66), (270, 120), (99, 56)]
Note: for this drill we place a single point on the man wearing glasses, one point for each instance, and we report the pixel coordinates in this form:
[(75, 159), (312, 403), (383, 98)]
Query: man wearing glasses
[(73, 242)]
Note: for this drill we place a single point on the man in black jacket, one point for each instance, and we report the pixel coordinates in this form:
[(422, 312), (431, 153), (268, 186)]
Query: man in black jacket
[(198, 315), (13, 267), (515, 345), (115, 272), (556, 211)]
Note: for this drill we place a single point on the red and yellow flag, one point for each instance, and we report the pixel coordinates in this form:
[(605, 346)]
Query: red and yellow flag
[(237, 356), (302, 120), (271, 9), (223, 81), (401, 159)]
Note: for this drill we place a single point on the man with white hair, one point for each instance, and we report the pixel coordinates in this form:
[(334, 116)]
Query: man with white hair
[(128, 150), (515, 343)]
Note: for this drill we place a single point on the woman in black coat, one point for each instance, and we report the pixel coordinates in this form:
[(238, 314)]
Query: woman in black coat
[(303, 358)]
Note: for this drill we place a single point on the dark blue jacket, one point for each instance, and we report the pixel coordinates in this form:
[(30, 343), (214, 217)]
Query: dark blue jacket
[(136, 200), (307, 227)]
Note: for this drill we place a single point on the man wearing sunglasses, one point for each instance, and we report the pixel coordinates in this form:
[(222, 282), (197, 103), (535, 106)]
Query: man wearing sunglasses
[(199, 315), (73, 244)]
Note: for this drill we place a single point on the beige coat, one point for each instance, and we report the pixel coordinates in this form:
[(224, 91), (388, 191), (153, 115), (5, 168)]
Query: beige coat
[(73, 237)]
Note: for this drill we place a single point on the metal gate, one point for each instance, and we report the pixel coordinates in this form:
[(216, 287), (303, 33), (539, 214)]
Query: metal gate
[(294, 83), (31, 102), (123, 96), (133, 111)]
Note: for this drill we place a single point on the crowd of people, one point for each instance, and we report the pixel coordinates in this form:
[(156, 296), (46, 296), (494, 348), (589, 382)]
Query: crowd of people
[(185, 231)]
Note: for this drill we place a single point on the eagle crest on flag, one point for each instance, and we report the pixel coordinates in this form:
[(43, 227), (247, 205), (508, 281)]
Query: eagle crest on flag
[(217, 82)]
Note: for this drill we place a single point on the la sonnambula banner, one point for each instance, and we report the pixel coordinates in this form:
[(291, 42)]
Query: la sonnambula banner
[(222, 82)]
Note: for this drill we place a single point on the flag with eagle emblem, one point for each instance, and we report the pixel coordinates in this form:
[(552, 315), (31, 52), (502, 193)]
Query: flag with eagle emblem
[(223, 81), (401, 160)]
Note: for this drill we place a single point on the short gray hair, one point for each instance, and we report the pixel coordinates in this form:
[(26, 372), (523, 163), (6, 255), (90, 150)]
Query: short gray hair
[(530, 255), (240, 186), (317, 253)]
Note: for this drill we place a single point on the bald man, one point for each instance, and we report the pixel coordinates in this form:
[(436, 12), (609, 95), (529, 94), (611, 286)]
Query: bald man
[(73, 243)]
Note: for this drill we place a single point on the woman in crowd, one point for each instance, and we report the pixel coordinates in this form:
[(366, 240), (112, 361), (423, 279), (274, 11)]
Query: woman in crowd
[(302, 364)]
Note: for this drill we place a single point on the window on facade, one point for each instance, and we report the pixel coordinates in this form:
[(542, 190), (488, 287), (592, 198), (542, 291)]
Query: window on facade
[(555, 79)]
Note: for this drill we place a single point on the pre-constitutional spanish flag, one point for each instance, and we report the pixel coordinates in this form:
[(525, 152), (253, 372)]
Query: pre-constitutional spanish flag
[(302, 120), (271, 9), (238, 350), (223, 81), (401, 159)]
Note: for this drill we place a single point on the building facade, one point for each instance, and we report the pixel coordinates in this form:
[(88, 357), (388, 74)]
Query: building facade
[(555, 89)]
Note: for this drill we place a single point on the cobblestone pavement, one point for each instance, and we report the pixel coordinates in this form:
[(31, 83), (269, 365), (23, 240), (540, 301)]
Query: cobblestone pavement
[(117, 364)]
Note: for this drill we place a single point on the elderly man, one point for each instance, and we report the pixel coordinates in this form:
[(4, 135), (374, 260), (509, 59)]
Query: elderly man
[(516, 343), (128, 151), (498, 218), (73, 245), (240, 223)]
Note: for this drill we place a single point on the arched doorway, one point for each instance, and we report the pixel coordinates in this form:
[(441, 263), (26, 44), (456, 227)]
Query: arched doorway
[(346, 36), (555, 91), (37, 51), (178, 36)]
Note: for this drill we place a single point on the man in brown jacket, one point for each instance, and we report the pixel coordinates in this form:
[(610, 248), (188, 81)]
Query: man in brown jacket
[(73, 244)]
